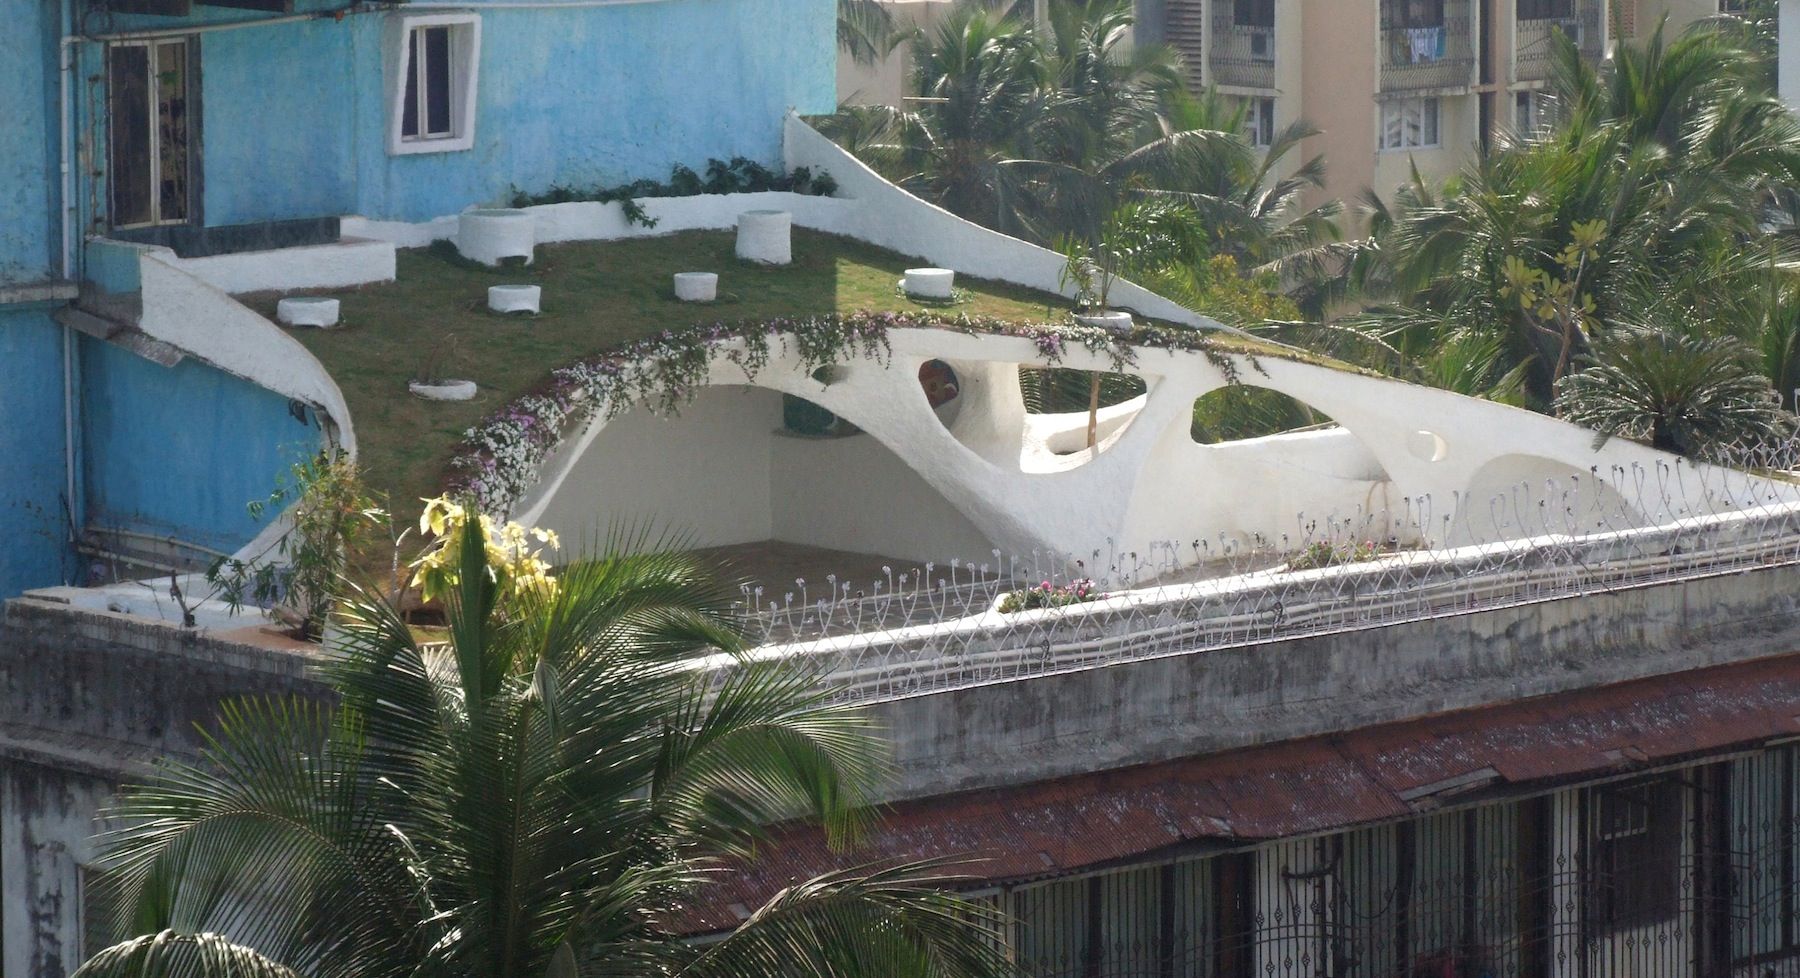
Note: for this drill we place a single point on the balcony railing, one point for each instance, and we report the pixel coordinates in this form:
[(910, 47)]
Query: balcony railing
[(1242, 56), (1534, 42), (1435, 57)]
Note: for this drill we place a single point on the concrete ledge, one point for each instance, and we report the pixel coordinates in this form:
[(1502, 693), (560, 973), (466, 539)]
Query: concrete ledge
[(1182, 705), (351, 261), (32, 292)]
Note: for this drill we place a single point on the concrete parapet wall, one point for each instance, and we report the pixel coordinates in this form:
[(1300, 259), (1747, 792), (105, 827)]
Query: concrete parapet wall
[(1048, 726)]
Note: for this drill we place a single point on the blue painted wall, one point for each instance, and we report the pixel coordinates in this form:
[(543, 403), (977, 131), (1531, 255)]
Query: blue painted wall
[(36, 553), (295, 115), (181, 450), (27, 142)]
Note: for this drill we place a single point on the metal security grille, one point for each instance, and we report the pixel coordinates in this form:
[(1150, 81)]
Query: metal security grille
[(1683, 874)]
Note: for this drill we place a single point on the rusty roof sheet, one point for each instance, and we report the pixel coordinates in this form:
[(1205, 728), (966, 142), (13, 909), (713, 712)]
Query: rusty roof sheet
[(1295, 787)]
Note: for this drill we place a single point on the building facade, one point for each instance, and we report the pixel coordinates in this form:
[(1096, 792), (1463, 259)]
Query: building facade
[(220, 129)]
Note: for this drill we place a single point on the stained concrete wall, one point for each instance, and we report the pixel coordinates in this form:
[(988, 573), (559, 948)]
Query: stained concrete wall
[(88, 699), (1182, 705)]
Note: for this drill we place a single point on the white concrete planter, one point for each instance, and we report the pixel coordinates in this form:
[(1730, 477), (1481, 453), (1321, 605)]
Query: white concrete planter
[(447, 390), (929, 283), (488, 235), (1112, 319), (766, 237), (306, 310), (696, 286), (515, 298)]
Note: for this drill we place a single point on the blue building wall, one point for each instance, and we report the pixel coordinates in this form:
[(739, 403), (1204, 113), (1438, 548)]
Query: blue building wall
[(181, 450), (28, 170), (295, 115), (32, 476)]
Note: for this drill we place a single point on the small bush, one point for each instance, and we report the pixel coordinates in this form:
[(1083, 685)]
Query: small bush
[(1326, 554), (739, 175), (1048, 595)]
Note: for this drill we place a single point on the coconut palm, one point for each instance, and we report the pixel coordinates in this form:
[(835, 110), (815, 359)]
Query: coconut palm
[(1658, 178), (544, 796), (866, 30)]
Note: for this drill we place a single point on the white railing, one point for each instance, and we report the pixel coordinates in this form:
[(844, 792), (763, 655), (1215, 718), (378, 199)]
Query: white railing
[(936, 626)]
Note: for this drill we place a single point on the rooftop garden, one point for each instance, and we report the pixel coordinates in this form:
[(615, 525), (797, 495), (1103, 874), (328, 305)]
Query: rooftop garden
[(597, 297)]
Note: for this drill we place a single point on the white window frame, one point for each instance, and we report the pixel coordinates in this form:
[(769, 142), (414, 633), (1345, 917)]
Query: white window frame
[(465, 70), (1400, 106), (1259, 120)]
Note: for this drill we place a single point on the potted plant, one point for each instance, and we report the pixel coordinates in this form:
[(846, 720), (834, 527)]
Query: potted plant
[(432, 380)]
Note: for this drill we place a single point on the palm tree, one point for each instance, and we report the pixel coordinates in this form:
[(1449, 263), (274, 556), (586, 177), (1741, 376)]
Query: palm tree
[(1657, 179), (1680, 393), (539, 798), (866, 30)]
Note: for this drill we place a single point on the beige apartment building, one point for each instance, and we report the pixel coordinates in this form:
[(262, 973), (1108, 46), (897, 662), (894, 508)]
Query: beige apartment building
[(1391, 83), (1397, 83)]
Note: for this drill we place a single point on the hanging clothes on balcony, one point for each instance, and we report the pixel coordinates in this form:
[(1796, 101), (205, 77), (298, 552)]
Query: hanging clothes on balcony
[(1425, 44)]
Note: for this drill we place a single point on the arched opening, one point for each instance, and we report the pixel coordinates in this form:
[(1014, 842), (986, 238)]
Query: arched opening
[(1237, 412), (1071, 415), (729, 476), (1517, 496)]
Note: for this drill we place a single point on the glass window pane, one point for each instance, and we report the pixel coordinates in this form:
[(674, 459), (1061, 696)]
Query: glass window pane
[(1429, 110), (128, 111), (172, 129), (437, 81), (409, 106)]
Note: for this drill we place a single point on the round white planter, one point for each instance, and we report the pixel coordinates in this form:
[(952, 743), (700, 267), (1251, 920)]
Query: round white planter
[(929, 283), (306, 310), (449, 390), (515, 298), (490, 234), (696, 286), (766, 237), (1112, 319)]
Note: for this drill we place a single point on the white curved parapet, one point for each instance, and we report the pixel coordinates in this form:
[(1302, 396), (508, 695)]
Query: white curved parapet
[(766, 237), (888, 216), (490, 235), (307, 310), (1031, 484), (203, 321), (929, 283), (696, 286), (515, 298)]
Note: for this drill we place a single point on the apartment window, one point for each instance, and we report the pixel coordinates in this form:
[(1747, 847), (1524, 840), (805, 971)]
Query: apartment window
[(1409, 123), (1253, 13), (150, 132), (1259, 121), (1635, 865), (1546, 9), (1530, 112), (434, 62)]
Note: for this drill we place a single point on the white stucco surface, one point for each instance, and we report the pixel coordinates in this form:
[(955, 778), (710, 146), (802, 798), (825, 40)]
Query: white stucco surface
[(200, 319), (1030, 485), (350, 261)]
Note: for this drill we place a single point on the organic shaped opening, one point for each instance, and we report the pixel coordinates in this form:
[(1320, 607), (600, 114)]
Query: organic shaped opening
[(1238, 413), (802, 417), (1092, 405)]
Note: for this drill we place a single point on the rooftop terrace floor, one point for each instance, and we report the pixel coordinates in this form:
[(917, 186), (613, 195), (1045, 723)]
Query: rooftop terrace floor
[(596, 296)]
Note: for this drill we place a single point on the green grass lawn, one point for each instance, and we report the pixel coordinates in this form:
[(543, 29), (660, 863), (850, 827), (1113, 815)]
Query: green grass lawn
[(597, 295)]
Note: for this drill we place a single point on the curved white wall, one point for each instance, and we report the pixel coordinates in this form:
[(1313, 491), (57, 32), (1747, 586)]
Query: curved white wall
[(993, 477), (722, 472)]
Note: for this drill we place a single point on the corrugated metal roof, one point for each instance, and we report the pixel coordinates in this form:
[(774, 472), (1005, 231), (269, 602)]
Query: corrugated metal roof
[(1296, 787)]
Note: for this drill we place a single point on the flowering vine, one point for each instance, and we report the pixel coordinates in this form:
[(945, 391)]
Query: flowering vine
[(499, 457)]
